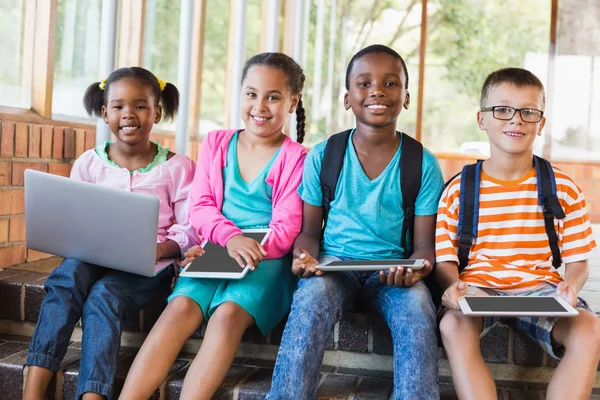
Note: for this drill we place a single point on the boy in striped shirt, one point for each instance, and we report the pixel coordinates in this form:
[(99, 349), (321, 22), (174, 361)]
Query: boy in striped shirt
[(511, 254)]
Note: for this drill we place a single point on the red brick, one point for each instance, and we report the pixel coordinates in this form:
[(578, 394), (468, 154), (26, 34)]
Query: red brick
[(47, 141), (17, 229), (57, 145), (3, 230), (21, 139), (79, 142), (61, 169), (35, 141), (7, 142), (4, 173), (34, 255), (18, 170), (12, 202), (596, 173), (11, 255), (69, 143), (90, 139)]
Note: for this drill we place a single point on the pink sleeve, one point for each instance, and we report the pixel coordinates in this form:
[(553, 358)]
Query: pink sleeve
[(82, 167), (205, 216), (181, 231), (286, 219)]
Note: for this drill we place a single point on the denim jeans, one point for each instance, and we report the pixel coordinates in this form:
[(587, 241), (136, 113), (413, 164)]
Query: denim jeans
[(101, 297), (317, 306)]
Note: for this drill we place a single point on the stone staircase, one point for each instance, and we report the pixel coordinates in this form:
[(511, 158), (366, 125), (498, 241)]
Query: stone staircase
[(357, 364)]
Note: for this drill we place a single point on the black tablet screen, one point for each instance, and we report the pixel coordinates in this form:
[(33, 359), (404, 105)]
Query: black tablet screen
[(514, 304), (216, 258)]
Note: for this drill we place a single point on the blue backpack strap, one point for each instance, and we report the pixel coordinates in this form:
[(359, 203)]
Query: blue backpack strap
[(331, 166), (411, 162), (548, 200), (468, 213)]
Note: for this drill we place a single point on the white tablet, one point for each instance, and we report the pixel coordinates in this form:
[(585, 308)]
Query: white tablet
[(516, 306), (369, 265), (216, 262)]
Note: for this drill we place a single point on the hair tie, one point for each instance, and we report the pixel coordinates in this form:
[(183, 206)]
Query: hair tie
[(162, 84)]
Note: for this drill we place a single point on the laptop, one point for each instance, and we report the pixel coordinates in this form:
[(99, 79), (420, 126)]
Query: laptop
[(95, 224)]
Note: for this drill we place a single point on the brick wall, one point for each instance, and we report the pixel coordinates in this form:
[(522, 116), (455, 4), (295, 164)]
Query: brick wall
[(24, 145)]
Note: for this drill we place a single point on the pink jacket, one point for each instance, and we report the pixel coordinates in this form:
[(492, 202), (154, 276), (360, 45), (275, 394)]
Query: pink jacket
[(206, 198)]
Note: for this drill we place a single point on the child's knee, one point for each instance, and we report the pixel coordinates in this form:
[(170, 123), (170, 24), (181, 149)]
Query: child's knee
[(584, 333), (453, 326), (231, 314), (185, 308)]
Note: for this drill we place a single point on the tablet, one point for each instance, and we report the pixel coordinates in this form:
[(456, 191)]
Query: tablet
[(216, 262), (516, 306), (369, 265)]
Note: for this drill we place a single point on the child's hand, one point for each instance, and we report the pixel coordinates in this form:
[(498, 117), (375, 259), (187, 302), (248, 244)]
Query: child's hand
[(304, 265), (567, 292), (245, 249), (403, 276), (191, 254), (452, 293), (160, 247)]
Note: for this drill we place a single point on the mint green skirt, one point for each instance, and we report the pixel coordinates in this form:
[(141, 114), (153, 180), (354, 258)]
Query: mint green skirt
[(266, 293)]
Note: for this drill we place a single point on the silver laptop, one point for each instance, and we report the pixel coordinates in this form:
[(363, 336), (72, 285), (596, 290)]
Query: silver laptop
[(96, 224)]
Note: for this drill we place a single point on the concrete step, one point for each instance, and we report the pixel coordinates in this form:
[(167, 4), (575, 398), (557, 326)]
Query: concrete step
[(247, 378), (360, 347)]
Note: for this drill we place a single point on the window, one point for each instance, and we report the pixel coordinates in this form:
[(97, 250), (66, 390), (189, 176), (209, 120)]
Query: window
[(467, 40), (77, 54), (575, 118), (16, 48)]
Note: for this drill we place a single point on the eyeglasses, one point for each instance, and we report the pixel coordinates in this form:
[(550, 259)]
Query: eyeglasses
[(506, 113)]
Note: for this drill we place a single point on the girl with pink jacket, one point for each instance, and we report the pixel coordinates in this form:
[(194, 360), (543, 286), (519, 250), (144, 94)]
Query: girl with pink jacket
[(245, 178)]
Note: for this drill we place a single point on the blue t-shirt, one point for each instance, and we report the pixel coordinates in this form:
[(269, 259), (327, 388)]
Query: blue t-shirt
[(365, 218), (247, 204)]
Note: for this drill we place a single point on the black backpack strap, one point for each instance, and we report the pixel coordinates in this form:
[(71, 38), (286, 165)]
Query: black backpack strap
[(551, 208), (411, 162), (331, 166), (468, 213)]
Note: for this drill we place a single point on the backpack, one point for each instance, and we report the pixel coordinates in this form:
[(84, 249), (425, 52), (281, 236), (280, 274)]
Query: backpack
[(468, 215), (411, 155)]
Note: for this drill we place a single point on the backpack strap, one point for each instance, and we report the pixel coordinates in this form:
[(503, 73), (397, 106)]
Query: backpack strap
[(551, 208), (468, 214), (331, 166), (411, 161)]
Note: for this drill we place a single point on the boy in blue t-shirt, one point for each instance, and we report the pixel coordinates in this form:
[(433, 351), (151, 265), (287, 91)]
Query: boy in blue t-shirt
[(365, 222)]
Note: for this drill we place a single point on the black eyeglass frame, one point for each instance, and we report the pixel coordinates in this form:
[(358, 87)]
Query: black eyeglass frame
[(520, 110)]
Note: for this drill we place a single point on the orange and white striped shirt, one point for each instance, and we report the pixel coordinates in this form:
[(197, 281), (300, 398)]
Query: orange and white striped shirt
[(511, 250)]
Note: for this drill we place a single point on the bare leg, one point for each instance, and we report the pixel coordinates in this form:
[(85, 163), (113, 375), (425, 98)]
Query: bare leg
[(160, 349), (471, 377), (38, 379), (574, 376), (221, 341), (92, 396)]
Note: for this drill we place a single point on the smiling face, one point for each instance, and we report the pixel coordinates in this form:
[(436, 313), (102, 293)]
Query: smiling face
[(512, 137), (130, 110), (377, 90), (266, 101)]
